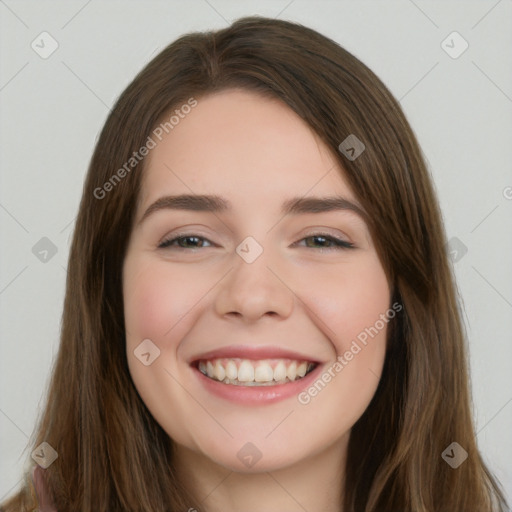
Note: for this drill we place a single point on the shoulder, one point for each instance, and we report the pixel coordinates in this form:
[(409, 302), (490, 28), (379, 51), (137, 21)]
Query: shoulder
[(43, 497)]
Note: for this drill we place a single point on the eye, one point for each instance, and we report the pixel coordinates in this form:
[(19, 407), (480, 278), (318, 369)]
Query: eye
[(186, 237), (337, 243), (183, 242)]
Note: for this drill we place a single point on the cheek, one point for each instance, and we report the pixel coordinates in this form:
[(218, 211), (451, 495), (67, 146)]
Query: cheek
[(154, 309), (352, 300), (354, 306), (155, 300)]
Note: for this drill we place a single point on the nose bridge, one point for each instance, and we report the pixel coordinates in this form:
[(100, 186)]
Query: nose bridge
[(252, 287)]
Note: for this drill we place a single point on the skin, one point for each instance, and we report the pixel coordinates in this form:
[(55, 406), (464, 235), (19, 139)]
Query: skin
[(300, 294)]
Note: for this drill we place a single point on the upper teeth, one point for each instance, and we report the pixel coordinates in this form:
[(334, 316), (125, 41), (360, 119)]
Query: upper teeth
[(249, 373)]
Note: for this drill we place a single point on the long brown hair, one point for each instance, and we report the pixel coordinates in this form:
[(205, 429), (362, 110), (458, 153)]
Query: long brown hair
[(112, 455)]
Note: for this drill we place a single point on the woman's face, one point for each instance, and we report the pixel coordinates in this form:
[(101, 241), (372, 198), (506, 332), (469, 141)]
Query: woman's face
[(251, 292)]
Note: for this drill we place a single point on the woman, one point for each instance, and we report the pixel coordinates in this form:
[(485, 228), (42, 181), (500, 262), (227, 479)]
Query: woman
[(251, 371)]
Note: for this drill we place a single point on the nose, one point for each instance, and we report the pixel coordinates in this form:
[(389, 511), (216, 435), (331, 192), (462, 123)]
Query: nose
[(252, 290)]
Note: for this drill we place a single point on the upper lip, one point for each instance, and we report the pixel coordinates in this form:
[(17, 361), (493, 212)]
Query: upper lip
[(253, 353)]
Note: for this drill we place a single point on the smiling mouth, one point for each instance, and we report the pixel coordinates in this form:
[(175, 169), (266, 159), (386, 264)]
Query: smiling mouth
[(248, 372)]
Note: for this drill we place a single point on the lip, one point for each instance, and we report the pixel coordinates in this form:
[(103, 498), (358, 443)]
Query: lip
[(257, 395), (252, 353)]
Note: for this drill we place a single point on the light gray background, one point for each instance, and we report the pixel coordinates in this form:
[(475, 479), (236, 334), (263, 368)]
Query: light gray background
[(54, 108)]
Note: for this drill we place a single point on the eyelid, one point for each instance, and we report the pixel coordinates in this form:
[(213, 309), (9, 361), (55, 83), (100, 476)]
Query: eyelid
[(183, 234), (339, 242), (320, 231)]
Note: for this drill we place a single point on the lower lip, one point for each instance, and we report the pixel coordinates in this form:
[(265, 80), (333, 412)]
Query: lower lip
[(257, 394)]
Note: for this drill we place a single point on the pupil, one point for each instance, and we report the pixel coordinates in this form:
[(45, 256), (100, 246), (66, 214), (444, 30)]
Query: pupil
[(188, 238), (321, 238)]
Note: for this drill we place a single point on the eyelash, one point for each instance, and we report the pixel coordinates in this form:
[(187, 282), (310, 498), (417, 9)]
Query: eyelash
[(338, 243)]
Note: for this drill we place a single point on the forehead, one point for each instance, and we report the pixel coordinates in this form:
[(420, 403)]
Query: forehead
[(244, 145)]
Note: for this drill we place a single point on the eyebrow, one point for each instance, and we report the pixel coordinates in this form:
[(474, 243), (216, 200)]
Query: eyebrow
[(218, 204)]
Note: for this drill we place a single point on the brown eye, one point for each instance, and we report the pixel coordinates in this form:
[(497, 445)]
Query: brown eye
[(186, 239), (191, 241), (323, 240)]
